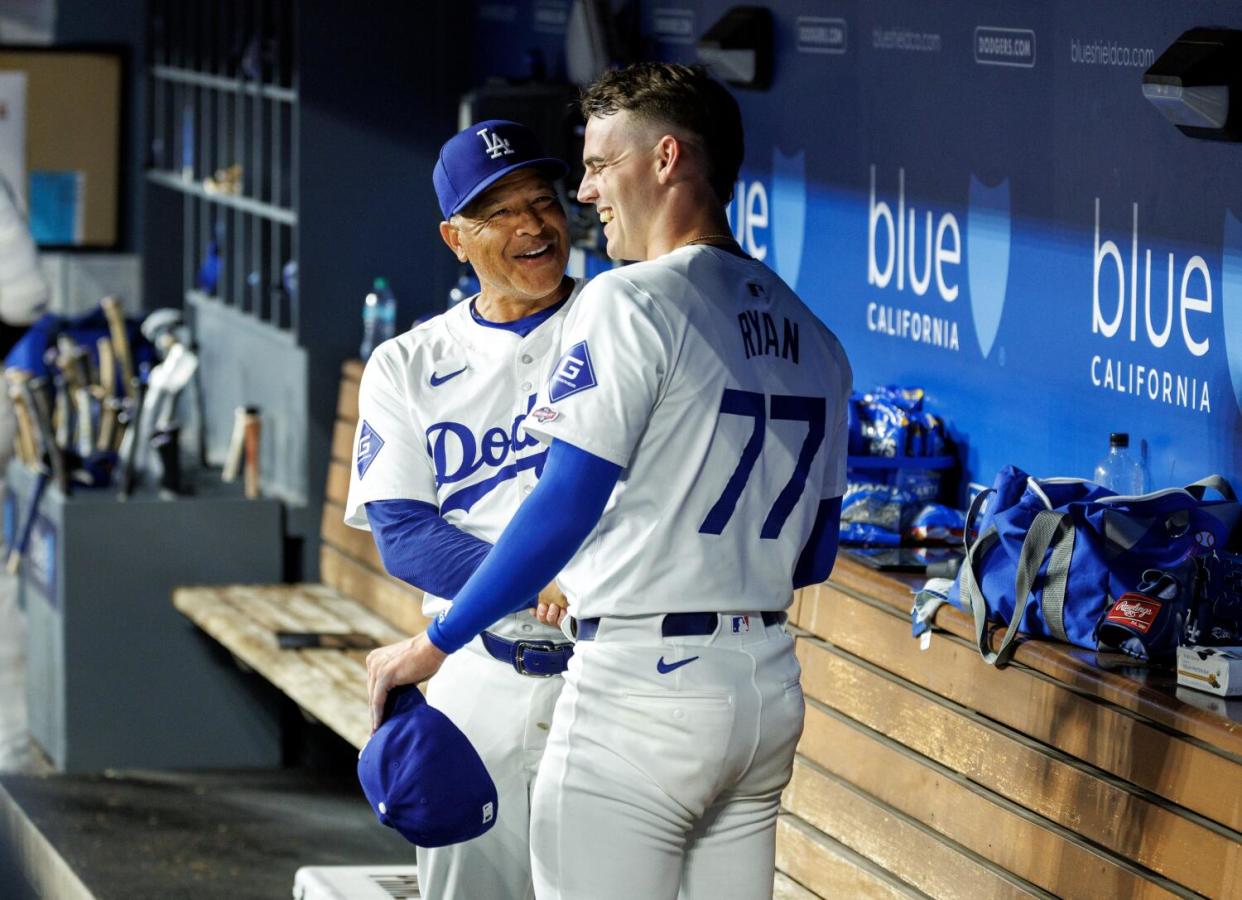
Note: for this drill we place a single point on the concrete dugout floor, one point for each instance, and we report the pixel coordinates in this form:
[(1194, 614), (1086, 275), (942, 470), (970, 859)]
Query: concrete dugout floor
[(131, 835)]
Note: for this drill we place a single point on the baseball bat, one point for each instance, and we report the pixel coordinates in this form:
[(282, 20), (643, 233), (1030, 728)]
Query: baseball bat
[(62, 415), (120, 342), (129, 446), (237, 445), (26, 447), (18, 550), (107, 396), (167, 444), (36, 398), (79, 376), (253, 431)]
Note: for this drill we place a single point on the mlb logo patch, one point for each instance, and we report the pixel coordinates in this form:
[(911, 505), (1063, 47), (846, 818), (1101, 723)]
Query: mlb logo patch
[(574, 373), (369, 446), (741, 624)]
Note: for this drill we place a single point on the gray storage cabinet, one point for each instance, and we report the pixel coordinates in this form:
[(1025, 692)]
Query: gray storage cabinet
[(116, 677)]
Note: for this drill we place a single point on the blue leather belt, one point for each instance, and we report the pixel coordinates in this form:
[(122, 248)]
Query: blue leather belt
[(538, 659), (679, 624)]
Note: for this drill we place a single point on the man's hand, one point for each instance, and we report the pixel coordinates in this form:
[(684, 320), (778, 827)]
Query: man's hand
[(551, 606), (407, 662)]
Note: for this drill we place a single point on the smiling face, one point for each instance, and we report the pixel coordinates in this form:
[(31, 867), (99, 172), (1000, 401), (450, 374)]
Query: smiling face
[(516, 238), (620, 160)]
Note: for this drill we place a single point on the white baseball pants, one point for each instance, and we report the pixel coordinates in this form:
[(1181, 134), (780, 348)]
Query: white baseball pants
[(663, 780), (507, 717)]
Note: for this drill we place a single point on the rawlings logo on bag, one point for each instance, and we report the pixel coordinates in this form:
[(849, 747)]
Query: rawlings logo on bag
[(1135, 611)]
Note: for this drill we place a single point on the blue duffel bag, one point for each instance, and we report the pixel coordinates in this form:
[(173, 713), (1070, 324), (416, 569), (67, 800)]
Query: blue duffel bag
[(1068, 559)]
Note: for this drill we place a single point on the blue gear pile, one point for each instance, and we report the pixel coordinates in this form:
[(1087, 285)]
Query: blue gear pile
[(897, 454)]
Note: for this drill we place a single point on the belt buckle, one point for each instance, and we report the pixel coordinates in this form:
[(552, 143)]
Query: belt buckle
[(519, 656)]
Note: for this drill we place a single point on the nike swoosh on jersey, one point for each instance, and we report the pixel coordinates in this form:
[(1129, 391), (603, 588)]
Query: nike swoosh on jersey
[(437, 380), (664, 668)]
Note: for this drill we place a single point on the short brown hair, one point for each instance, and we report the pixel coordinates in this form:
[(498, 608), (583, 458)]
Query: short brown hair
[(684, 96)]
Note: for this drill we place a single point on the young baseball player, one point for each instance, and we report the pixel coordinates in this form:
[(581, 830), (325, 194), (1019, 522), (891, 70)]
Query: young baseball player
[(443, 462), (697, 421)]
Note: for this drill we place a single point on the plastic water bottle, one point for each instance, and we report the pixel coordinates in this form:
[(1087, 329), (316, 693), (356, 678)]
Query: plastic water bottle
[(370, 325), (387, 310), (379, 317), (1120, 471), (467, 286)]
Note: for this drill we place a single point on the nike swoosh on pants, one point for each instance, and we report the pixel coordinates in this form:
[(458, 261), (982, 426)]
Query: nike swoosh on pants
[(664, 668)]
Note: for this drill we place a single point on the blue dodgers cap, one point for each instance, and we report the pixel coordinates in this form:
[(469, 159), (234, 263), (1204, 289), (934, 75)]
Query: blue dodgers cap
[(423, 777), (473, 160)]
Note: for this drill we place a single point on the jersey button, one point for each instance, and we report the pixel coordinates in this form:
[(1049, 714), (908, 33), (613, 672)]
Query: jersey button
[(527, 359), (528, 628), (526, 385)]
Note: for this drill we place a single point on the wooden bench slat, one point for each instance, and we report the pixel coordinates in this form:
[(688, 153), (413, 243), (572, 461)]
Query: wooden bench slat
[(345, 712), (388, 598), (901, 844), (351, 370), (1059, 661), (346, 672), (343, 441), (319, 617), (1107, 811), (831, 869), (358, 545), (360, 617), (347, 402), (997, 828), (785, 888), (1184, 772), (337, 487)]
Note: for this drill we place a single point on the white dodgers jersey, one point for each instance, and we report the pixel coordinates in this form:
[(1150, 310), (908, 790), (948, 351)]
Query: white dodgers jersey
[(440, 420), (724, 400)]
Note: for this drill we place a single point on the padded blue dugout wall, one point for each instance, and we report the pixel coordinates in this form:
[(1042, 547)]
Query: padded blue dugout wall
[(977, 199)]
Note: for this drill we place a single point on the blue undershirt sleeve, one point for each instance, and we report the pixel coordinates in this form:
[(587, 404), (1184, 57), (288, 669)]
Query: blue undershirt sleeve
[(542, 537), (815, 563), (418, 546)]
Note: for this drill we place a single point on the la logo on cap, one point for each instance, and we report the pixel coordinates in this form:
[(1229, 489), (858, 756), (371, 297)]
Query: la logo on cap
[(495, 144)]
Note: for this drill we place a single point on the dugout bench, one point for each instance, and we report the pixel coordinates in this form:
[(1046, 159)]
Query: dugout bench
[(356, 595), (930, 773), (921, 772)]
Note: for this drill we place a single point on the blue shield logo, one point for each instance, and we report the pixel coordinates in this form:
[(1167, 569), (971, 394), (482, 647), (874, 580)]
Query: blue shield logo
[(369, 446), (987, 258), (1231, 300), (788, 214), (574, 373)]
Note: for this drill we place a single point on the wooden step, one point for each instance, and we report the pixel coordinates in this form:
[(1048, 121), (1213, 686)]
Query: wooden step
[(1182, 770), (901, 844), (829, 869), (1132, 823), (1072, 666)]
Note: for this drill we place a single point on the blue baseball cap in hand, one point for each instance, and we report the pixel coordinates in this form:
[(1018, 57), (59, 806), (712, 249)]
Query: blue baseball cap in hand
[(473, 160), (423, 777)]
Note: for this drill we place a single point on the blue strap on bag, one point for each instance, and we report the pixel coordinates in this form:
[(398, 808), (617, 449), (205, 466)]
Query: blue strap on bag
[(1054, 557)]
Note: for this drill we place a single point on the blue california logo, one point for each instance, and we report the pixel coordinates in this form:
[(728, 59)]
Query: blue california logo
[(987, 258), (789, 210), (910, 248), (1231, 300), (770, 223)]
